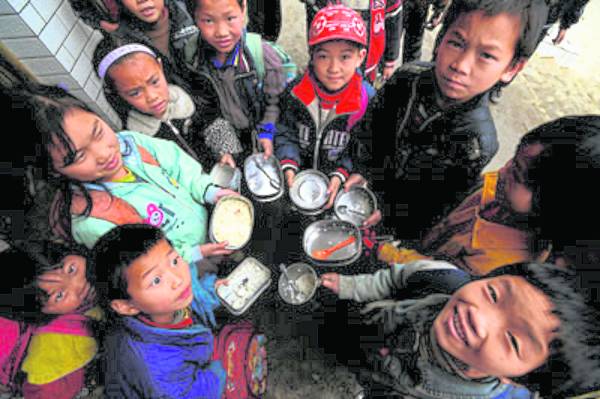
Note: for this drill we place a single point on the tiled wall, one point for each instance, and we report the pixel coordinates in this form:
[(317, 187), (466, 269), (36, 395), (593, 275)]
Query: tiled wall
[(55, 46)]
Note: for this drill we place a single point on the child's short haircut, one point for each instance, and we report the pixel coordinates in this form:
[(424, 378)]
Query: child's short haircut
[(575, 353), (116, 250), (193, 4), (533, 15)]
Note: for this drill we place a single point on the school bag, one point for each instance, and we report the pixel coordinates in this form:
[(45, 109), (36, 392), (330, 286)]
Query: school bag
[(254, 45), (243, 353), (15, 338)]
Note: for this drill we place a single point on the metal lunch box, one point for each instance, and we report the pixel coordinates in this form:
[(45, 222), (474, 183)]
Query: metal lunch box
[(309, 191), (355, 205), (226, 231), (324, 234), (301, 286), (225, 176), (264, 177), (245, 284)]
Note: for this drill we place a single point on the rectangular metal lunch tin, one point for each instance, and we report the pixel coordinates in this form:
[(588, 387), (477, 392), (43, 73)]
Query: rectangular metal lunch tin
[(245, 284)]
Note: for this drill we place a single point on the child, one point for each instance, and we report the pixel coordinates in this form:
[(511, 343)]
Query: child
[(384, 26), (522, 320), (327, 101), (414, 23), (48, 335), (162, 344), (442, 133), (230, 58), (568, 12), (539, 197), (107, 179), (149, 104), (164, 25)]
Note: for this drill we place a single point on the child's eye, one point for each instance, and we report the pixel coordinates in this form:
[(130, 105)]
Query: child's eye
[(133, 93), (99, 133), (488, 56), (59, 296), (455, 43), (206, 20), (514, 342), (80, 156), (155, 81), (175, 261), (493, 293), (233, 18), (155, 281), (71, 269)]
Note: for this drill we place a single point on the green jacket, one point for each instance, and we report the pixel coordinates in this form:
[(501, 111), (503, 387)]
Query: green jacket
[(170, 196)]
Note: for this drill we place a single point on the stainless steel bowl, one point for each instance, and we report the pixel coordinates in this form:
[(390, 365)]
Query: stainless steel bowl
[(225, 176), (264, 177), (309, 191), (245, 284), (324, 234), (229, 227), (301, 286), (356, 205)]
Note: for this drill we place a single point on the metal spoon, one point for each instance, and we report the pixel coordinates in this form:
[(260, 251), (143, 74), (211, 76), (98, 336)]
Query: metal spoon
[(291, 283), (275, 184), (344, 209)]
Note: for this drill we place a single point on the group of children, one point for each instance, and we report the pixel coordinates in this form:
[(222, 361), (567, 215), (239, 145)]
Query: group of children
[(193, 87)]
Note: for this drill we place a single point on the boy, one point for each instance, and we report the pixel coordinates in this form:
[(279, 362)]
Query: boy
[(326, 102), (442, 133), (384, 23), (162, 344), (468, 345), (414, 24)]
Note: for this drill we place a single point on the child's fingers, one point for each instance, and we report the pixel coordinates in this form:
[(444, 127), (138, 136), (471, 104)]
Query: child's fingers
[(373, 219), (220, 282)]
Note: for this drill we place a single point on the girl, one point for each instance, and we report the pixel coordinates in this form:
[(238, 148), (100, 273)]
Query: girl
[(47, 337), (107, 179), (246, 72), (134, 78)]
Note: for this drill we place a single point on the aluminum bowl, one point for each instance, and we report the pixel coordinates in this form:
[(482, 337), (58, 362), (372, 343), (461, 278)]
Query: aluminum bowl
[(305, 281), (228, 231), (309, 191), (225, 176), (245, 284), (264, 177), (323, 234), (356, 205)]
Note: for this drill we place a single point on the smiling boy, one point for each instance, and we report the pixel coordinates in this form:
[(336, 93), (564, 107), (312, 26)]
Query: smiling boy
[(432, 132), (162, 344)]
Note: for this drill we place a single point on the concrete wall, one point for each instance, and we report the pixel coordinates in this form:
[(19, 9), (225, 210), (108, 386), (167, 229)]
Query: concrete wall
[(55, 47)]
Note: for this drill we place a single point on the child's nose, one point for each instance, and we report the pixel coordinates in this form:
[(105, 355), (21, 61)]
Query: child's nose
[(462, 64), (221, 30)]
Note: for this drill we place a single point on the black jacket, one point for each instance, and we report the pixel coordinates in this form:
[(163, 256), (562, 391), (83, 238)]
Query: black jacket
[(423, 159)]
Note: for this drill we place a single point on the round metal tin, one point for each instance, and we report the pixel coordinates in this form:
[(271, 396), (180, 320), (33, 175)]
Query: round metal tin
[(355, 205), (309, 191), (225, 176), (230, 225), (324, 234), (303, 285), (264, 177)]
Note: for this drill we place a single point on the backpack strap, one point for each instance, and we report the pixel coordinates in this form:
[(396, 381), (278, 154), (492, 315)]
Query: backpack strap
[(107, 207), (254, 45)]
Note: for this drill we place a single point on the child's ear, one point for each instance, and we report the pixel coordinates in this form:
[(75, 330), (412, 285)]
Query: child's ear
[(124, 307), (362, 53), (512, 70)]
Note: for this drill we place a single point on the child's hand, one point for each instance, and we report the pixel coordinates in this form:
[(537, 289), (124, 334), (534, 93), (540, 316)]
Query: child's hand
[(220, 282), (223, 193), (435, 19), (267, 146), (227, 159), (355, 179), (388, 71), (373, 219), (290, 175), (332, 190), (560, 36), (109, 26), (331, 281), (215, 249)]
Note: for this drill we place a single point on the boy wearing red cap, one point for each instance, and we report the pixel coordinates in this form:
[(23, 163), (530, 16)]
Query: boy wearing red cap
[(327, 101)]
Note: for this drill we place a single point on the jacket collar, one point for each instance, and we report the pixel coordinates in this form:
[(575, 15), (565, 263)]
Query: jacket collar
[(348, 101)]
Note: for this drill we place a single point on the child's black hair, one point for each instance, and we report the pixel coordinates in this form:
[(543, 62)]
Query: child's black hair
[(573, 366), (48, 106), (20, 296), (193, 4), (561, 179), (115, 251), (533, 15)]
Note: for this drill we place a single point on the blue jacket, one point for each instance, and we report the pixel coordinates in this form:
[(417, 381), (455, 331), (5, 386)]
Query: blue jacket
[(143, 361)]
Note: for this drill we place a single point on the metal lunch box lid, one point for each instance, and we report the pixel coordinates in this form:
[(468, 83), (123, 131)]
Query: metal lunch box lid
[(227, 221), (303, 285), (264, 177), (309, 190), (326, 233), (225, 176), (355, 205), (245, 284)]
